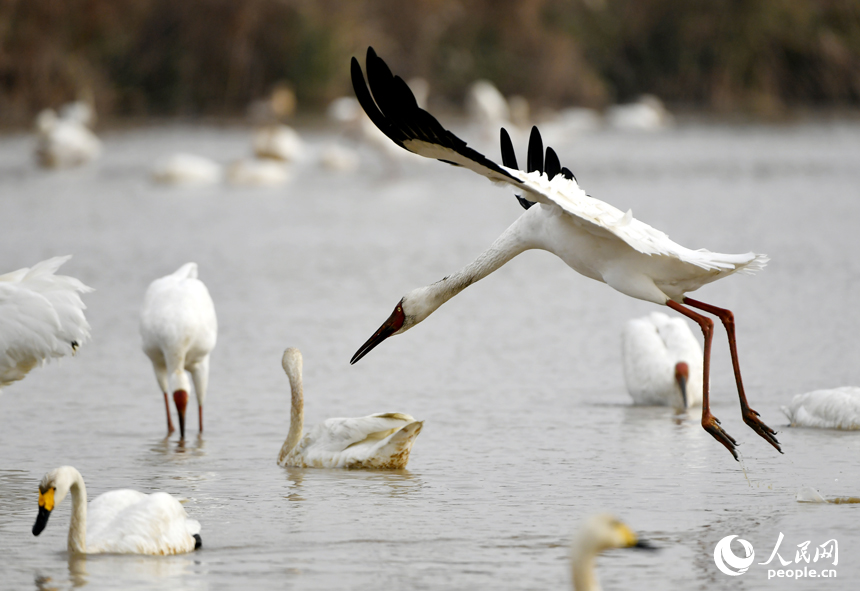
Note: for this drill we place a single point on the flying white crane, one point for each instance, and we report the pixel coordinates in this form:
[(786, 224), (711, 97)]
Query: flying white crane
[(41, 317), (380, 441), (662, 362), (121, 521), (179, 329), (590, 236)]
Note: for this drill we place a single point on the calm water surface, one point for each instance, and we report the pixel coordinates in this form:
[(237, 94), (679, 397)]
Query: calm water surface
[(528, 426)]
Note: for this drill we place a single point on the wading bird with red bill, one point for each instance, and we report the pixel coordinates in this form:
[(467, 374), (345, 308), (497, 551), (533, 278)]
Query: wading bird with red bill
[(592, 237)]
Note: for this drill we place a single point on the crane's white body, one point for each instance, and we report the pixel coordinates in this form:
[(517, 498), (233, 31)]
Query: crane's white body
[(41, 317), (380, 441), (651, 347), (64, 142), (186, 169), (121, 521), (179, 329), (838, 408)]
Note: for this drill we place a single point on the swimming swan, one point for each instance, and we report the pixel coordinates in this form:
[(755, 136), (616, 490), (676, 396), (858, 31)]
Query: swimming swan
[(380, 441), (598, 533), (838, 408), (120, 521)]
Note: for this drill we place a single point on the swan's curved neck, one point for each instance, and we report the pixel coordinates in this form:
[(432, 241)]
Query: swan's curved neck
[(512, 242), (297, 412), (78, 525), (584, 575)]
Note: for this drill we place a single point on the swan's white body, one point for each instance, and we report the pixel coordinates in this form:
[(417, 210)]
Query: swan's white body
[(646, 114), (838, 408), (41, 317), (278, 142), (380, 441), (486, 106), (179, 329), (597, 534), (64, 142), (339, 158), (186, 169), (651, 348), (120, 521), (258, 172)]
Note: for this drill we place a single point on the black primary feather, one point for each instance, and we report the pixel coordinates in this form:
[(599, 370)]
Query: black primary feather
[(391, 106), (509, 159), (534, 161), (551, 165)]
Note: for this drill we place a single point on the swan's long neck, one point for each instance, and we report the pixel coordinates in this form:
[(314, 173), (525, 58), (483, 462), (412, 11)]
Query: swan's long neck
[(78, 525), (297, 408), (584, 575), (425, 300)]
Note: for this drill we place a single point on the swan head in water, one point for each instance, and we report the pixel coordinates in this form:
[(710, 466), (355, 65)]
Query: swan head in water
[(53, 489), (599, 533)]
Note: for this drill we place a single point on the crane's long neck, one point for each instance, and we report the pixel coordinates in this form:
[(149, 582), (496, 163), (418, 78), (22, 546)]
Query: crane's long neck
[(78, 525), (297, 411), (512, 242)]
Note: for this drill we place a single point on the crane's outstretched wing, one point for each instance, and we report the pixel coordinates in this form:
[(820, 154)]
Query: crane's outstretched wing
[(391, 106)]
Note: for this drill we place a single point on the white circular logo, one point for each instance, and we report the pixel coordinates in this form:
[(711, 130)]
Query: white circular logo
[(726, 559)]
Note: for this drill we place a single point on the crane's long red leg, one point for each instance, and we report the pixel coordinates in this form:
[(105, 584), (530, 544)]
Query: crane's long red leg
[(170, 428), (751, 417), (710, 423)]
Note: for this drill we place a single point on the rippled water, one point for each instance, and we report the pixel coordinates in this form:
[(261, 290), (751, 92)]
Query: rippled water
[(528, 426)]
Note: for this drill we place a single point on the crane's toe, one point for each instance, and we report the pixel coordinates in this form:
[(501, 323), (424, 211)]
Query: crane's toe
[(752, 419), (711, 424)]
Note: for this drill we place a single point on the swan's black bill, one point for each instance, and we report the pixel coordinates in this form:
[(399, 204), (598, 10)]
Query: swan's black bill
[(388, 328), (198, 542), (645, 545), (41, 521)]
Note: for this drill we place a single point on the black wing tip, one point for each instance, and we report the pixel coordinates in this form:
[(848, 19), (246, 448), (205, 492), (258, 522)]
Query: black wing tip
[(198, 541)]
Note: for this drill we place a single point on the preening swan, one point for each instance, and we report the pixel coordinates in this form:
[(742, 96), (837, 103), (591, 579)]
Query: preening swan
[(41, 317), (120, 521), (179, 329), (662, 362), (380, 441), (597, 534), (186, 169), (838, 408), (590, 236), (64, 142)]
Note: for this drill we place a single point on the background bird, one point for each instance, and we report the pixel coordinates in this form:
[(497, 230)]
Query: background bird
[(590, 236), (120, 521), (41, 317), (377, 441), (662, 362), (178, 329), (838, 408), (597, 534)]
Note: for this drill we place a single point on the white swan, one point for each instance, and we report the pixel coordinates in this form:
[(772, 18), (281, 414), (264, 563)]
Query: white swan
[(120, 521), (258, 172), (186, 169), (179, 329), (380, 441), (598, 533), (41, 317), (646, 114), (64, 142), (838, 408), (662, 362), (278, 142)]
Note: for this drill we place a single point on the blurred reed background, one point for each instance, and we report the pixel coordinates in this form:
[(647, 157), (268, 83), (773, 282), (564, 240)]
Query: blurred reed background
[(193, 58)]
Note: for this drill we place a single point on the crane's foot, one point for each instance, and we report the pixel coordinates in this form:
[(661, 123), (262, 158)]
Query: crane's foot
[(752, 419), (711, 424)]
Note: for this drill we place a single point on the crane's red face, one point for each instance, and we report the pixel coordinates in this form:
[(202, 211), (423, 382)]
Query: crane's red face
[(682, 376), (388, 328)]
